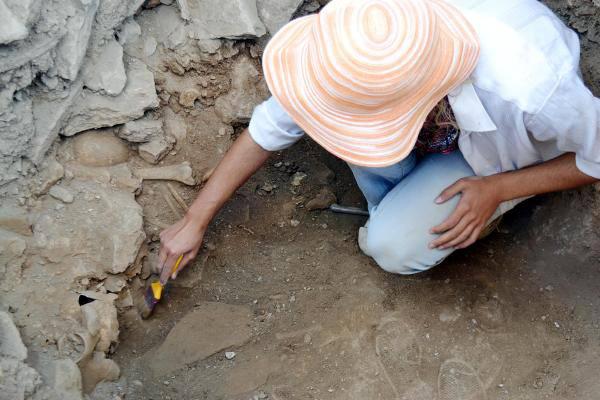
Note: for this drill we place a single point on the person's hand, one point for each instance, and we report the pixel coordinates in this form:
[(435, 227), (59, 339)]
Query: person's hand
[(479, 200), (182, 238)]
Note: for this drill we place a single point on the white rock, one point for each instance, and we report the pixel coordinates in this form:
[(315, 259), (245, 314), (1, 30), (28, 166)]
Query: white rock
[(276, 13), (94, 110), (175, 125), (105, 72), (298, 178), (155, 150), (72, 47), (62, 194), (129, 32), (230, 355), (150, 46), (11, 344), (11, 28), (222, 18), (141, 130)]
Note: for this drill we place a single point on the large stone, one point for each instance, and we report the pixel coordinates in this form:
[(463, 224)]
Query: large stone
[(106, 72), (11, 28), (276, 13), (11, 344), (17, 379), (247, 91), (100, 232), (100, 149), (210, 328), (141, 130), (230, 19), (72, 48), (94, 110), (65, 379), (155, 150)]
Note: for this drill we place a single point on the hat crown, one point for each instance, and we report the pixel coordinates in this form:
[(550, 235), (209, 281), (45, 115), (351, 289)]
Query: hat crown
[(373, 52)]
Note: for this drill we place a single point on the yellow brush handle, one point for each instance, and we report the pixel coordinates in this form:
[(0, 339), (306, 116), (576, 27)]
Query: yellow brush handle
[(176, 266)]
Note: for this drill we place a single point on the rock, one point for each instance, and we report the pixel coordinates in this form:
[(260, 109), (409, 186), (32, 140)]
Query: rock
[(100, 149), (276, 13), (150, 46), (51, 172), (15, 219), (129, 32), (62, 194), (230, 355), (100, 319), (18, 380), (11, 28), (175, 125), (231, 19), (141, 130), (208, 329), (100, 232), (106, 72), (94, 110), (72, 47), (298, 178), (98, 369), (11, 345), (322, 200), (188, 97), (11, 257), (114, 283), (247, 91), (155, 150), (65, 379)]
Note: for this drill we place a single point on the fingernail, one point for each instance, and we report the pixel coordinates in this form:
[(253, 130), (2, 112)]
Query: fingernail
[(438, 200), (431, 246)]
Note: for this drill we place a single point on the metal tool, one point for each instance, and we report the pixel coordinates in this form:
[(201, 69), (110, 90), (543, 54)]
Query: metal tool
[(336, 208)]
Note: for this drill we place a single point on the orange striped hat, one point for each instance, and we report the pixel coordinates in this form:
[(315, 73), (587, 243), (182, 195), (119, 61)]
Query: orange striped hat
[(361, 76)]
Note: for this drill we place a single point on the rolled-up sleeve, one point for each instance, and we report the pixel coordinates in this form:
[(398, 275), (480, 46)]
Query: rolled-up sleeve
[(272, 128), (571, 118)]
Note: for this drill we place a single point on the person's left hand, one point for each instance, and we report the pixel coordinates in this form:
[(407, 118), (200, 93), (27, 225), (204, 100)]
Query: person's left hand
[(478, 202)]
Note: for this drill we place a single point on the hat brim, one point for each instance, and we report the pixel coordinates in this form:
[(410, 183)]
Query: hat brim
[(378, 138)]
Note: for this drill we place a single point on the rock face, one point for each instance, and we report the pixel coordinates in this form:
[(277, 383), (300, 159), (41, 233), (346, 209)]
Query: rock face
[(42, 58), (98, 111), (247, 91), (106, 71), (230, 19), (208, 329), (276, 13)]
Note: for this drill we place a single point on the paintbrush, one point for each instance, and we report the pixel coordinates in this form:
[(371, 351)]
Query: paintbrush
[(155, 290)]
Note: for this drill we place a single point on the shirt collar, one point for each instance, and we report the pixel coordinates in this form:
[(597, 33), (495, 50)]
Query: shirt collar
[(468, 110)]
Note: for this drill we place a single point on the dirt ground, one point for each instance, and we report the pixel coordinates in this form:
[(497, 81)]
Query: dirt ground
[(514, 317)]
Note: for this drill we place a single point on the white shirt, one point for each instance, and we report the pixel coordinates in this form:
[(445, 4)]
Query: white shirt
[(525, 103)]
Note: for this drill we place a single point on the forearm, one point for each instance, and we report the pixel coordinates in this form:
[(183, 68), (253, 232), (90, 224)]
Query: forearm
[(558, 174), (239, 163)]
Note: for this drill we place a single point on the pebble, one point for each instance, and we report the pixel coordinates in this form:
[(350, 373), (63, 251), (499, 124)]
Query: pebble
[(230, 355), (61, 194), (297, 178), (294, 223)]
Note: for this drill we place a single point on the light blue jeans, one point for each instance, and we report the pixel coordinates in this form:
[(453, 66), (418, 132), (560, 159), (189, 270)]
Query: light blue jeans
[(401, 201)]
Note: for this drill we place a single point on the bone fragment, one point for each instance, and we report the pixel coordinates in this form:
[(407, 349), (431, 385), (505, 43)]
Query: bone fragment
[(177, 197), (177, 172)]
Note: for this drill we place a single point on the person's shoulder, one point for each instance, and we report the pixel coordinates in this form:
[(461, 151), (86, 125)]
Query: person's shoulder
[(525, 49)]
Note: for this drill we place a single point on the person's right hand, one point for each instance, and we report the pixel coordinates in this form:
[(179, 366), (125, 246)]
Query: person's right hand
[(182, 238)]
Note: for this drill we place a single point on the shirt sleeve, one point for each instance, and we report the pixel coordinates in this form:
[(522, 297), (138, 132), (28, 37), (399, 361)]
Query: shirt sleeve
[(272, 128), (571, 118)]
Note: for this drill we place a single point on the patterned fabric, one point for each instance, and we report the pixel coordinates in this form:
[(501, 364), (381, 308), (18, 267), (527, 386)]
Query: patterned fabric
[(440, 131), (360, 77)]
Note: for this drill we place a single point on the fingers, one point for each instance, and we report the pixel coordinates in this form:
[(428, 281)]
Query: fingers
[(168, 267), (456, 232), (451, 191), (472, 239)]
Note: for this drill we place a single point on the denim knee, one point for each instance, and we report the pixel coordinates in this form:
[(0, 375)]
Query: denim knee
[(404, 254)]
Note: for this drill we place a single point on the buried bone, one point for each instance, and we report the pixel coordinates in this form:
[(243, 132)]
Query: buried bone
[(179, 172)]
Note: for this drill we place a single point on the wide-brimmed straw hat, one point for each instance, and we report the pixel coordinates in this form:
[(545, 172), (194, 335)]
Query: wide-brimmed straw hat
[(361, 76)]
